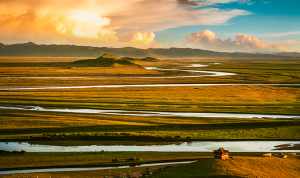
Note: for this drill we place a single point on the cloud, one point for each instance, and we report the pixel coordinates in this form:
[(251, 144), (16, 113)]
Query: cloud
[(143, 39), (188, 2), (103, 22), (241, 42), (282, 34)]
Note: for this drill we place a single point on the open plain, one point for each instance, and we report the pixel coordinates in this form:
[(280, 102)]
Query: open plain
[(152, 102)]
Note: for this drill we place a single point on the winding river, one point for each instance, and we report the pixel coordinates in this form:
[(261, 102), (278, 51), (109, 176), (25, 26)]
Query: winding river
[(150, 113), (195, 146), (192, 74), (199, 73)]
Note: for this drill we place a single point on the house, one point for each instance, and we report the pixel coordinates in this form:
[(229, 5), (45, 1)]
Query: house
[(267, 155), (221, 153)]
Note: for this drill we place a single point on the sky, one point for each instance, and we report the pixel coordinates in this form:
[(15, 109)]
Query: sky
[(220, 25)]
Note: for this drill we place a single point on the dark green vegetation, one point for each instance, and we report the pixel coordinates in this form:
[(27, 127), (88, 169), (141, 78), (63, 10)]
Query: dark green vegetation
[(106, 60), (109, 60)]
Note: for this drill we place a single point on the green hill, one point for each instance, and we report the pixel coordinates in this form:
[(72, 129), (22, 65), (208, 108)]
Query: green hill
[(106, 60)]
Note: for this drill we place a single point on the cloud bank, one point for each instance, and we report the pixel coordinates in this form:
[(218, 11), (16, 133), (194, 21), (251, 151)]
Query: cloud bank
[(104, 22), (240, 42)]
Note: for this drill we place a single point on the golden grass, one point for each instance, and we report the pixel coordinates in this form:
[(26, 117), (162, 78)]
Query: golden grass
[(32, 119), (240, 166), (46, 120), (240, 99), (213, 94), (134, 172), (180, 95), (16, 59), (253, 167), (73, 71), (56, 159), (186, 99)]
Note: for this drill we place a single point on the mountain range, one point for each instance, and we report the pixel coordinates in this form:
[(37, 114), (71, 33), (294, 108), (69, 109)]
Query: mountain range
[(32, 49)]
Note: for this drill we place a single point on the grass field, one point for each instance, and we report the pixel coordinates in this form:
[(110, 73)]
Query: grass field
[(249, 71), (20, 160), (242, 165), (237, 167), (229, 99), (67, 128)]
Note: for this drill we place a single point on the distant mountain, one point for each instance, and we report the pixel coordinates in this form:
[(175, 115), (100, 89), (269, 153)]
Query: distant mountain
[(32, 49), (106, 60), (291, 54)]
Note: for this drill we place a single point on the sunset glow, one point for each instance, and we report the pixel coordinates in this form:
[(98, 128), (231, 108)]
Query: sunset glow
[(87, 24), (228, 25), (149, 88)]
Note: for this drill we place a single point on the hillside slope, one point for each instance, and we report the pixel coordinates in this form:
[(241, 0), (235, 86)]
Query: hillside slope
[(105, 60)]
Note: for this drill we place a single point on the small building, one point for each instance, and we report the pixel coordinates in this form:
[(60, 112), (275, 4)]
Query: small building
[(268, 155), (221, 153)]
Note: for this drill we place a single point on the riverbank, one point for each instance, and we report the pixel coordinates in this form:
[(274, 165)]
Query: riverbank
[(19, 160), (245, 165), (238, 129)]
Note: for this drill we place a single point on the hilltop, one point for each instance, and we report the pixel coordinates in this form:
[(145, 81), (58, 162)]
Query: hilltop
[(105, 60)]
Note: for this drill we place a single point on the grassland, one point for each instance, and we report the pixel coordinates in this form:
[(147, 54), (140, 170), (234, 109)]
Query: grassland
[(253, 99), (237, 167), (20, 160), (22, 59), (249, 71), (242, 165), (59, 128), (31, 125)]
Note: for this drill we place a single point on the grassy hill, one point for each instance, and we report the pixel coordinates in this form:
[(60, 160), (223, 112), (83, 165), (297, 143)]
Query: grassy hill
[(105, 60)]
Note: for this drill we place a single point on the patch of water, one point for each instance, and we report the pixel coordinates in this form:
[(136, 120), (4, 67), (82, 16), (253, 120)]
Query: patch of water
[(196, 146)]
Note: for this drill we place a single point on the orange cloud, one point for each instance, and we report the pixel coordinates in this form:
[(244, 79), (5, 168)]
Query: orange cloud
[(102, 22), (143, 39), (241, 42)]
